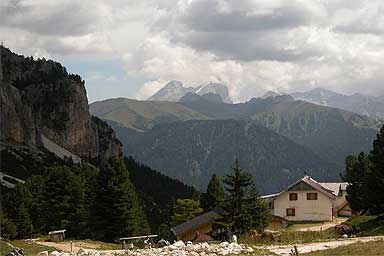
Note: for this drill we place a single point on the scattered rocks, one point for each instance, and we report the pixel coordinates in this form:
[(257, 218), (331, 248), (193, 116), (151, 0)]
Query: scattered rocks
[(176, 249), (16, 252)]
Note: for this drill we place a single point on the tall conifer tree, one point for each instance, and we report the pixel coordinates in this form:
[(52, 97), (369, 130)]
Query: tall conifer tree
[(117, 211), (237, 216), (375, 178), (215, 194)]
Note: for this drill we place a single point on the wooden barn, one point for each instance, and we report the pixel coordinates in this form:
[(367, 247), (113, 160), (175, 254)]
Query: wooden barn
[(198, 228), (57, 235)]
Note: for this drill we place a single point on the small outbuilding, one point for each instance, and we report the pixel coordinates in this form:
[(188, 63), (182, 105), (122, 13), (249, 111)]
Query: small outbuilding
[(57, 235), (198, 228)]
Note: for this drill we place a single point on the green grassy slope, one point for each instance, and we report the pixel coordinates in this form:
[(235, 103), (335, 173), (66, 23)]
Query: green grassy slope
[(142, 115)]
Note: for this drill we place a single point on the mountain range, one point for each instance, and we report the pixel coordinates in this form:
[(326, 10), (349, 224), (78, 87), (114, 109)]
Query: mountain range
[(358, 103), (277, 139), (174, 91)]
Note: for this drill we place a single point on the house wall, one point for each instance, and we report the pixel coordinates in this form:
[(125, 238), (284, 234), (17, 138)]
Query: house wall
[(305, 210), (190, 235)]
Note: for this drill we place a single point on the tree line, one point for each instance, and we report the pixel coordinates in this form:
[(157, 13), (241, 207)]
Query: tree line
[(104, 204), (365, 176), (89, 203)]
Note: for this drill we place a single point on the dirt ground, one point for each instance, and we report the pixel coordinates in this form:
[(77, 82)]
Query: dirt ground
[(305, 248), (66, 246)]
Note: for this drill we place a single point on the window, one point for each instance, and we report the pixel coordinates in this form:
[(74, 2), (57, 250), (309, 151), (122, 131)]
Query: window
[(292, 196), (291, 212), (311, 196)]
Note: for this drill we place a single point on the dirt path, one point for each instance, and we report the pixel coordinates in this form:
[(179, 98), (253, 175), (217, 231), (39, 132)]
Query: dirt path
[(66, 246), (305, 248)]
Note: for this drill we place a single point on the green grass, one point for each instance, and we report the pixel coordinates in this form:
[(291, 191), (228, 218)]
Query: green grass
[(4, 248), (295, 226), (29, 249), (99, 245), (291, 237), (370, 225), (257, 252), (358, 249)]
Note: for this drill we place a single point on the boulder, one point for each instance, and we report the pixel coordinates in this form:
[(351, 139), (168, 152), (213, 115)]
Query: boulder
[(43, 253)]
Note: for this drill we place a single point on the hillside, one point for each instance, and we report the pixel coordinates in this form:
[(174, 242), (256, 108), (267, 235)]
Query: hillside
[(156, 191), (194, 150), (142, 115), (329, 133)]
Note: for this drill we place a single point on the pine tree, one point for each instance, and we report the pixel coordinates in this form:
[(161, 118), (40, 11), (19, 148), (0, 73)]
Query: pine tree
[(63, 201), (237, 216), (117, 211), (23, 222), (7, 227), (375, 178), (215, 194), (35, 186), (356, 172), (185, 210), (260, 214)]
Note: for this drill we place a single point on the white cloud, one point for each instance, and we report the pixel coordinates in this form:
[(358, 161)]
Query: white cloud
[(251, 45)]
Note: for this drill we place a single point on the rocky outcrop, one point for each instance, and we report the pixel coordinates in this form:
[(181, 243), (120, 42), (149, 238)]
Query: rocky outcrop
[(39, 97)]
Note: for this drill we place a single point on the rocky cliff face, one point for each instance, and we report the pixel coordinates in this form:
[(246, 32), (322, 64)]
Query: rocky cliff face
[(39, 97)]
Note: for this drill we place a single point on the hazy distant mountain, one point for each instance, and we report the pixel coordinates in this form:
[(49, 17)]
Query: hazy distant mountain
[(358, 103), (214, 88), (174, 91)]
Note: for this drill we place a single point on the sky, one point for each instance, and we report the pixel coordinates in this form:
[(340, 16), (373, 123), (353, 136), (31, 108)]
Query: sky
[(131, 48)]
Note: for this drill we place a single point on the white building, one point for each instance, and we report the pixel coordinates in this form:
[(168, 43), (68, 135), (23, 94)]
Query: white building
[(309, 200)]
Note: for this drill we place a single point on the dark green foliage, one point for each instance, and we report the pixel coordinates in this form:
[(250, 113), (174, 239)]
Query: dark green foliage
[(35, 186), (193, 151), (375, 178), (17, 204), (164, 232), (23, 162), (8, 228), (356, 171), (215, 194), (23, 221), (185, 210), (116, 211), (258, 209), (236, 185), (365, 177), (244, 209), (157, 192), (64, 202)]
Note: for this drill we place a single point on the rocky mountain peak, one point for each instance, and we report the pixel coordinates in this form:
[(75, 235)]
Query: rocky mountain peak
[(174, 91), (40, 98)]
